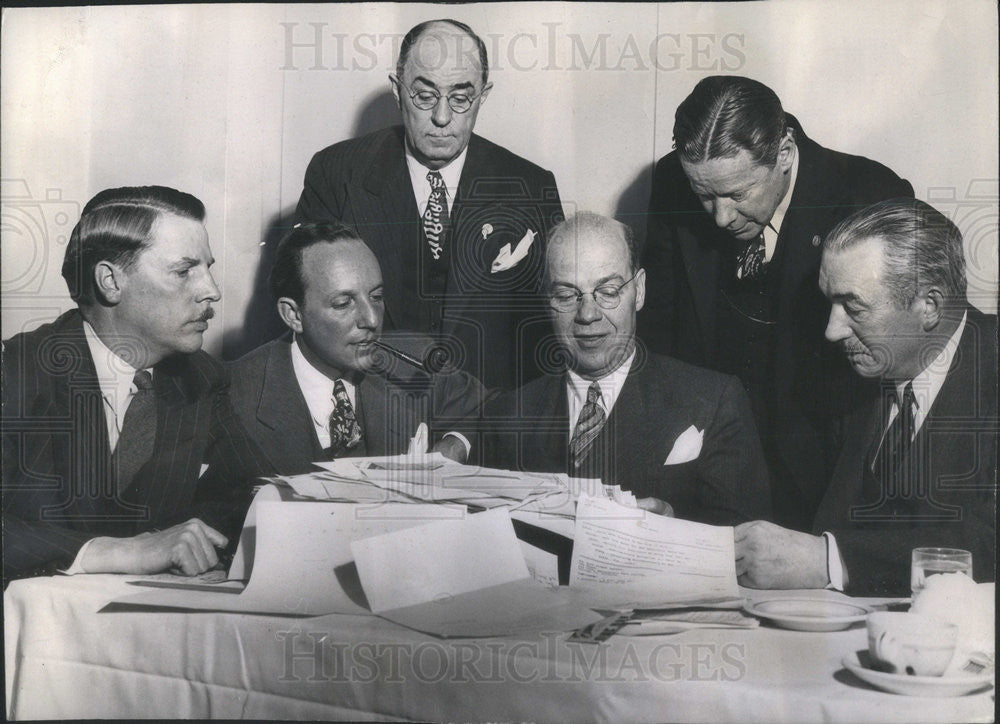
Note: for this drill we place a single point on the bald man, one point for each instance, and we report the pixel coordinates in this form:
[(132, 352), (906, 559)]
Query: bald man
[(458, 223)]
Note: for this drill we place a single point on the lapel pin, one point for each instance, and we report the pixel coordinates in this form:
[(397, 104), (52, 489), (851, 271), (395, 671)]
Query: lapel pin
[(487, 230), (815, 241)]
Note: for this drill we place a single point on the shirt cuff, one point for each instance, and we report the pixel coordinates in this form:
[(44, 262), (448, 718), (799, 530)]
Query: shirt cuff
[(834, 565), (462, 439), (76, 567)]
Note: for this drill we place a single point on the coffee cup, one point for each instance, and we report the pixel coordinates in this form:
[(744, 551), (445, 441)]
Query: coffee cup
[(908, 643)]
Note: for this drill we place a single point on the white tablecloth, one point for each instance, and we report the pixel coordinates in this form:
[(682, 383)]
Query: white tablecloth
[(65, 658)]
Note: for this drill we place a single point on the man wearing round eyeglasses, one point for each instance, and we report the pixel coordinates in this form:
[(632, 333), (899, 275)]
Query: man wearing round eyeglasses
[(458, 223), (678, 437)]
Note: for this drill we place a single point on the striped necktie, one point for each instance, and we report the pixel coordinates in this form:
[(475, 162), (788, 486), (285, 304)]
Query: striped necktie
[(588, 426)]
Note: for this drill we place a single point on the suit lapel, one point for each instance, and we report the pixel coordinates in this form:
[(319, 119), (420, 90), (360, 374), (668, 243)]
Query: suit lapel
[(384, 211), (282, 410), (546, 440), (372, 401)]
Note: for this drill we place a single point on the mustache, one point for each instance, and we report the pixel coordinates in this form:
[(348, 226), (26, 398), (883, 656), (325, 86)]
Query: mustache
[(205, 316)]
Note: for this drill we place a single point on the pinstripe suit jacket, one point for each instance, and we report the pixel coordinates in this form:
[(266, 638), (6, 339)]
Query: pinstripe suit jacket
[(58, 487)]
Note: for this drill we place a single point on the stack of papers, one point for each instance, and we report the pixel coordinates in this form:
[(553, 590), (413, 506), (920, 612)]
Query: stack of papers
[(439, 568)]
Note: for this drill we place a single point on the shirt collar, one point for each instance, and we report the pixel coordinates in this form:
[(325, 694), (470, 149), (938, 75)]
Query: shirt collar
[(114, 374), (779, 213), (316, 387), (450, 174), (610, 384), (928, 383)]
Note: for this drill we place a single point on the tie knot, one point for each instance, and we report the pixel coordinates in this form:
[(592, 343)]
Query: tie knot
[(435, 180), (339, 391), (143, 380), (909, 400), (594, 393)]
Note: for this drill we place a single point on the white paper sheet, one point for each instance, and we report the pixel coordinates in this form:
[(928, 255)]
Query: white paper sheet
[(633, 558), (302, 562), (462, 578)]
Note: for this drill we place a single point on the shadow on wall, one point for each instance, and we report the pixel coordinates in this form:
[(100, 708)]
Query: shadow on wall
[(261, 322), (633, 205)]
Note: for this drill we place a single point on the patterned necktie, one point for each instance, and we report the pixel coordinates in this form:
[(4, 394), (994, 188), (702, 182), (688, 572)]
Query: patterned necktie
[(435, 220), (892, 459), (345, 432), (750, 264), (135, 443), (588, 426)]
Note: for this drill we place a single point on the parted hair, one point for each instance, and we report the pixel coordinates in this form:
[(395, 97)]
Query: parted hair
[(410, 39), (286, 274), (726, 114), (921, 247), (115, 226)]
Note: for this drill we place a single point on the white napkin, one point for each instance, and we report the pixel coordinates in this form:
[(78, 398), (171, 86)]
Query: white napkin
[(956, 598)]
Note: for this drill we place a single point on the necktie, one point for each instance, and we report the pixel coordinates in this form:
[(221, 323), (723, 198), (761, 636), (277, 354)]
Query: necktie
[(435, 221), (751, 261), (893, 456), (345, 432), (588, 426), (135, 443)]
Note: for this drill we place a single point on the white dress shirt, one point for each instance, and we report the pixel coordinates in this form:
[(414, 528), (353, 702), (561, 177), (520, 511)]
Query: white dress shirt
[(115, 376), (926, 387), (610, 384), (450, 174), (317, 389), (773, 228)]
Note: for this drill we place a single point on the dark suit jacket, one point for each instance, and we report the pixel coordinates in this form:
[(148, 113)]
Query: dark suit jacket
[(528, 429), (682, 259), (495, 321), (952, 501), (58, 486), (269, 403)]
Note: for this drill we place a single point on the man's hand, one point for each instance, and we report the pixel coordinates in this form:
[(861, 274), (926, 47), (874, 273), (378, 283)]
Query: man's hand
[(188, 548), (769, 556), (655, 505)]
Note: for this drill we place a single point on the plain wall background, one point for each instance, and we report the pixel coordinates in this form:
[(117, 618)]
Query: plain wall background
[(230, 102)]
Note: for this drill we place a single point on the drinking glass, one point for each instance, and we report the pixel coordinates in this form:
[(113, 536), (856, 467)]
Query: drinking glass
[(928, 562)]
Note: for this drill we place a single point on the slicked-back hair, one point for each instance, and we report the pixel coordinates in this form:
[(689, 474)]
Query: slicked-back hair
[(921, 247), (411, 38), (115, 226), (286, 279), (588, 221), (726, 114)]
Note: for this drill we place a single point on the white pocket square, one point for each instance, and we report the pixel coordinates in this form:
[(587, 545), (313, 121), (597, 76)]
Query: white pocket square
[(687, 447), (507, 258), (201, 472)]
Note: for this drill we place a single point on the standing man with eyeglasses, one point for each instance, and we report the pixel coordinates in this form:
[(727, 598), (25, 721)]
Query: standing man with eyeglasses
[(458, 223), (681, 438), (737, 216)]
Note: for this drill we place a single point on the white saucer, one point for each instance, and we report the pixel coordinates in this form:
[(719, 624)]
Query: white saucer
[(808, 614), (952, 685)]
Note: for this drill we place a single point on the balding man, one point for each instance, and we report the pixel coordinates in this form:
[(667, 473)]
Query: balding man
[(918, 466), (665, 430), (736, 217), (457, 223)]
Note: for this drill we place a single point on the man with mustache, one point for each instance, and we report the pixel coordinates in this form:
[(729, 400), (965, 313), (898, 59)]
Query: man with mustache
[(326, 391), (116, 428), (918, 466), (736, 216), (457, 223)]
